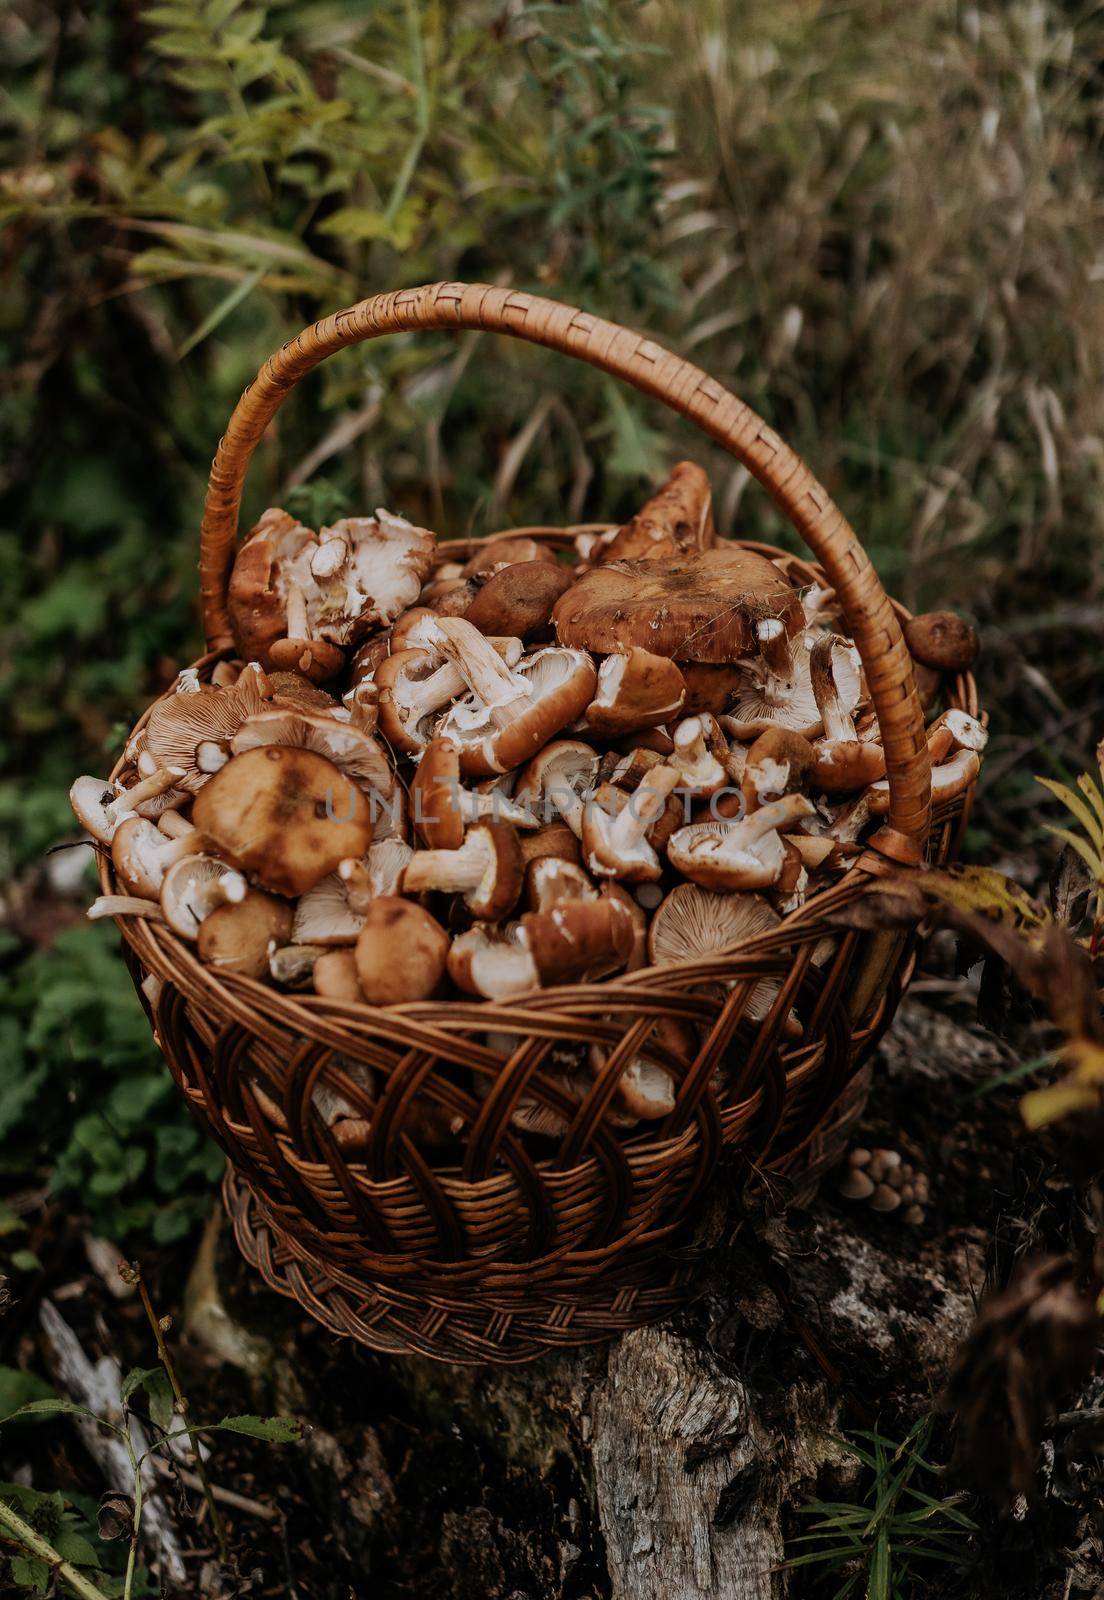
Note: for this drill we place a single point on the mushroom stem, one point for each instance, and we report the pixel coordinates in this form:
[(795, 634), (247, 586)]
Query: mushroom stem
[(173, 825), (124, 905), (644, 805), (451, 871), (482, 668), (227, 889), (296, 613), (147, 789), (774, 646), (838, 723), (696, 764)]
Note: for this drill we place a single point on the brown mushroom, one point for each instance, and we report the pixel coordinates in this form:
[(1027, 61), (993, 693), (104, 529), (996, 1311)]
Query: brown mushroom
[(495, 963), (194, 888), (695, 924), (700, 608), (777, 763), (616, 845), (284, 814), (239, 936), (100, 808), (949, 781), (334, 976), (778, 688), (578, 940), (519, 599), (192, 730), (510, 550), (557, 781), (676, 521), (379, 873), (141, 854), (486, 870), (635, 690), (710, 686), (737, 855), (843, 760), (400, 952), (509, 715), (355, 754), (942, 640)]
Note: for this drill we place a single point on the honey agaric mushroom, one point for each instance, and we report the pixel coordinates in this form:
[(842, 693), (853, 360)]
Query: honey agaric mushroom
[(401, 952), (617, 845), (486, 870), (676, 521), (442, 808), (495, 963), (558, 779), (693, 924), (99, 808), (286, 815), (578, 940), (777, 689), (737, 855), (699, 608), (948, 781), (192, 730), (699, 770), (334, 975), (635, 690), (509, 715), (415, 683), (777, 763), (379, 873), (195, 887), (299, 600), (238, 936), (356, 755), (549, 882), (942, 640), (843, 761), (507, 551), (141, 854), (519, 599), (710, 686), (325, 914)]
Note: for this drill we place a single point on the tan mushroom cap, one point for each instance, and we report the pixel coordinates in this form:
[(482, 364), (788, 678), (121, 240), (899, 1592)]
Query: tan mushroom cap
[(435, 812), (942, 640), (677, 520), (334, 976), (778, 763), (141, 854), (194, 888), (635, 690), (494, 963), (578, 940), (519, 599), (557, 780), (239, 937), (507, 551), (286, 815), (737, 855), (700, 608), (401, 952), (325, 915), (486, 870)]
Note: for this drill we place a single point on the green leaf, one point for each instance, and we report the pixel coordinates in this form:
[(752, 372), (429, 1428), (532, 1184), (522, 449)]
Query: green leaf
[(74, 1547), (136, 1379), (25, 1261), (48, 1408), (10, 1223), (30, 1574), (276, 1430), (18, 1389), (230, 302)]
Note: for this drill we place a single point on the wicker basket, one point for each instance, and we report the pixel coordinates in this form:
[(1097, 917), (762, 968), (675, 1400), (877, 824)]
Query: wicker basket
[(488, 1250)]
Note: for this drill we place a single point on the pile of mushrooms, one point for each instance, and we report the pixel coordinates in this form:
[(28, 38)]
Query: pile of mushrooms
[(424, 777)]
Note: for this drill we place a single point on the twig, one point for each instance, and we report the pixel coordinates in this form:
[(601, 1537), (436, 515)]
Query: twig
[(23, 1534), (166, 1360), (227, 1497)]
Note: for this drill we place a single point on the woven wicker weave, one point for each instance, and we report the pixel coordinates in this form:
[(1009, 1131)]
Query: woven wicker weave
[(500, 1247)]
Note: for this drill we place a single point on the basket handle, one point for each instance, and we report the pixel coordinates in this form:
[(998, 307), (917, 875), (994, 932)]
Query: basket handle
[(687, 390)]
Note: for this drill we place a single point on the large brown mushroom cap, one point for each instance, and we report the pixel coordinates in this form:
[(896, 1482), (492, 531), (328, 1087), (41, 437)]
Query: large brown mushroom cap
[(519, 599), (400, 953), (237, 937), (287, 816), (700, 608)]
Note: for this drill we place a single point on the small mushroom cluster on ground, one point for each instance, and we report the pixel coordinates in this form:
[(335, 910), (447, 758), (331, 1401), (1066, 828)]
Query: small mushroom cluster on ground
[(423, 777)]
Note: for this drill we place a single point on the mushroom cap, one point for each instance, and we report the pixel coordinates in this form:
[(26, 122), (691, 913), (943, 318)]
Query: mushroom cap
[(293, 689), (555, 839), (435, 811), (187, 894), (508, 550), (561, 686), (549, 881), (635, 690), (693, 923), (565, 767), (700, 608), (677, 520), (284, 814), (519, 599), (239, 936), (401, 952), (777, 763), (179, 723), (352, 752), (942, 640), (767, 700), (578, 940), (495, 963), (715, 855), (710, 686), (141, 854), (335, 976), (256, 597)]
